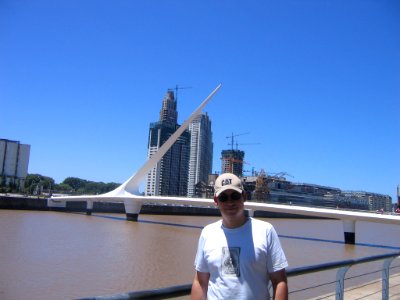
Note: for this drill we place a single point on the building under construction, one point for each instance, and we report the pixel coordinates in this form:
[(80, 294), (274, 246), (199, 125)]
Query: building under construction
[(232, 162)]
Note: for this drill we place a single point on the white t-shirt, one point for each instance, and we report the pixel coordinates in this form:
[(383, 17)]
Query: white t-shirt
[(239, 259)]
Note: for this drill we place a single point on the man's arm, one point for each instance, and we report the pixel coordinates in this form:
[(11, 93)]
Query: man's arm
[(200, 286), (279, 284)]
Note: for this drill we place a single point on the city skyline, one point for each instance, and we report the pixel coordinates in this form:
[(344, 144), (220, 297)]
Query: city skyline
[(169, 177), (188, 162), (315, 83)]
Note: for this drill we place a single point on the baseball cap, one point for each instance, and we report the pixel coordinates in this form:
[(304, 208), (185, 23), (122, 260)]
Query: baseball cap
[(227, 181)]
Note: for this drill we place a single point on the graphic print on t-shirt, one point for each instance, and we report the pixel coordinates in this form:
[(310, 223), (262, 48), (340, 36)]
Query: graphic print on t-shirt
[(230, 264)]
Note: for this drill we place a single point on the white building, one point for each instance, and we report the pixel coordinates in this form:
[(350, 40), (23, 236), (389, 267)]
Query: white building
[(201, 152), (14, 161)]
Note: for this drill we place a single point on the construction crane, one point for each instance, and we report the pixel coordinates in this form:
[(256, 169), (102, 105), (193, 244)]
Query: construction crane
[(234, 135), (237, 144), (233, 159), (176, 88), (232, 143), (280, 174)]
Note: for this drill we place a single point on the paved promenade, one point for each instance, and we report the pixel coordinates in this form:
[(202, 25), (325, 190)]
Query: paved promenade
[(369, 291)]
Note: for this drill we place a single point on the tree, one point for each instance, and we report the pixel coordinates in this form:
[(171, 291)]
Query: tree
[(36, 183), (63, 188), (75, 183)]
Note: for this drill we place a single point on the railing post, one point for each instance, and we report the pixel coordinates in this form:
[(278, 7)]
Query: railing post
[(340, 282), (385, 278), (349, 227), (270, 290), (89, 207)]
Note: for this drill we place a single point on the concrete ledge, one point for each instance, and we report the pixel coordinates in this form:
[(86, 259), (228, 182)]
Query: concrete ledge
[(23, 203), (33, 203)]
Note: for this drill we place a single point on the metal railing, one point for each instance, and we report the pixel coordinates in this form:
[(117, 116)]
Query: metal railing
[(342, 266)]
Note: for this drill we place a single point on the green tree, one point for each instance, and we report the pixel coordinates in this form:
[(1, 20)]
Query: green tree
[(110, 186), (75, 183), (36, 183), (62, 188)]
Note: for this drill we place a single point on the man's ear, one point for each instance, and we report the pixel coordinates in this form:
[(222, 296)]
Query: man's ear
[(215, 200), (244, 195)]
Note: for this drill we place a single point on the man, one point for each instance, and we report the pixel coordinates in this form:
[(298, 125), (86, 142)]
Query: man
[(237, 256)]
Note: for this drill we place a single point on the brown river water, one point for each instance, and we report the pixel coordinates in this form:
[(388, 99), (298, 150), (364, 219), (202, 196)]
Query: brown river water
[(54, 255)]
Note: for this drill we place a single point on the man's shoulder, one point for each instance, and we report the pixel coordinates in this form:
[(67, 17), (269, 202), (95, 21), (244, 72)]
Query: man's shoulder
[(261, 224), (213, 226)]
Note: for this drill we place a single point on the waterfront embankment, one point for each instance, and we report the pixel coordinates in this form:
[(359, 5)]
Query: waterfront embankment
[(35, 203)]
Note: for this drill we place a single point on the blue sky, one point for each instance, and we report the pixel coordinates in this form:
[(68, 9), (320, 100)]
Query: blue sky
[(316, 83)]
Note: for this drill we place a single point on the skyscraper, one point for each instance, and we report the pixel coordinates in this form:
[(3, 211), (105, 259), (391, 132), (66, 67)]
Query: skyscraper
[(170, 176), (201, 152)]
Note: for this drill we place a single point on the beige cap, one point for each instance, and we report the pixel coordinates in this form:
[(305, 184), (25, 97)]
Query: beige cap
[(227, 181)]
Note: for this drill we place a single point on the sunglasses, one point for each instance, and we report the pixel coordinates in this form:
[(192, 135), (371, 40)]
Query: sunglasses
[(234, 196)]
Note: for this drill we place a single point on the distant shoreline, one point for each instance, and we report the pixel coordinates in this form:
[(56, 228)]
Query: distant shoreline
[(40, 204)]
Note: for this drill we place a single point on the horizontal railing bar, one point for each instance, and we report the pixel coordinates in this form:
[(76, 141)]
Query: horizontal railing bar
[(364, 274), (312, 287), (334, 265), (162, 293), (182, 290)]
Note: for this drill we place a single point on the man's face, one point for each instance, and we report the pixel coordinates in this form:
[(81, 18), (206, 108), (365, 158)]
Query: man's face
[(230, 202)]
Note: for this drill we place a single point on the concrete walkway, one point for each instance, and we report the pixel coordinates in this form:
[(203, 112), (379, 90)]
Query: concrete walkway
[(370, 291), (367, 291)]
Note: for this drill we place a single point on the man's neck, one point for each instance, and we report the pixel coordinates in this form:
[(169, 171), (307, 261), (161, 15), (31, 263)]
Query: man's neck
[(234, 222)]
